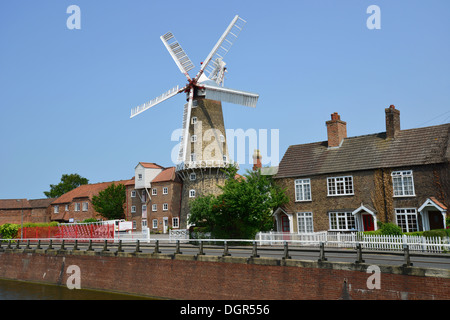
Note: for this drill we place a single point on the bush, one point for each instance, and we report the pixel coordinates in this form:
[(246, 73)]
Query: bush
[(391, 229), (442, 233), (9, 231)]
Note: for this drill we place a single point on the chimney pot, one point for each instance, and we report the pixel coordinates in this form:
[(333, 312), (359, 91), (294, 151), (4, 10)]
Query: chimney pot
[(257, 160)]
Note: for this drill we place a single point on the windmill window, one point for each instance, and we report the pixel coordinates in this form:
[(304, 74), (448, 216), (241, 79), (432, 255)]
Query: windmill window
[(194, 120), (194, 104), (192, 176), (192, 156), (194, 138), (192, 193)]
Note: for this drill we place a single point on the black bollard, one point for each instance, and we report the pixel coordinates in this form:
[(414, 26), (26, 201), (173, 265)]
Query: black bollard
[(75, 247), (157, 247)]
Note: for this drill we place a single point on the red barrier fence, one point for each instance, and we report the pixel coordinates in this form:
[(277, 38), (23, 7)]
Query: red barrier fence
[(75, 231)]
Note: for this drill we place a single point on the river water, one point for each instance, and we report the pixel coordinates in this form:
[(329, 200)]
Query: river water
[(20, 290)]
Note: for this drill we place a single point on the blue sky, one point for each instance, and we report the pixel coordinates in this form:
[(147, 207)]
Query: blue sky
[(66, 95)]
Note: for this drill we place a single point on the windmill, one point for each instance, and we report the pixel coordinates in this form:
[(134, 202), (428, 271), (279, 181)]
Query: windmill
[(202, 113)]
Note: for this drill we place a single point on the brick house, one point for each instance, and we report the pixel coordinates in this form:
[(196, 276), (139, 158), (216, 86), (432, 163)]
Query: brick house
[(76, 205), (35, 210), (351, 183), (154, 198)]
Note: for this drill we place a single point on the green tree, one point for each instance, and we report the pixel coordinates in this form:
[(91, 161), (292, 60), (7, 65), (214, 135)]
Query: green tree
[(110, 202), (244, 208), (68, 182)]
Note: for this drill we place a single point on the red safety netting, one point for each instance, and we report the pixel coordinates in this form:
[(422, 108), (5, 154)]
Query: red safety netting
[(75, 231)]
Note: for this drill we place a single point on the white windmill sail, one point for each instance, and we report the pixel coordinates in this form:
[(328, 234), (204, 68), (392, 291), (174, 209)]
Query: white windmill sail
[(224, 44), (176, 51), (166, 95), (185, 133), (240, 97)]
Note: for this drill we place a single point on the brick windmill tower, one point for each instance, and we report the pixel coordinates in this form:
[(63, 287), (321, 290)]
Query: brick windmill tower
[(203, 148)]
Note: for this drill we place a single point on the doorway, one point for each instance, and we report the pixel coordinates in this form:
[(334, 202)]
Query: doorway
[(368, 222), (436, 221)]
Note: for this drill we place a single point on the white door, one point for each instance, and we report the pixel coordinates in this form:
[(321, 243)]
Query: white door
[(165, 224)]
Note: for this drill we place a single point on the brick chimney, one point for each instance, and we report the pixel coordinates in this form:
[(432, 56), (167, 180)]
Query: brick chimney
[(392, 122), (337, 130), (257, 160)]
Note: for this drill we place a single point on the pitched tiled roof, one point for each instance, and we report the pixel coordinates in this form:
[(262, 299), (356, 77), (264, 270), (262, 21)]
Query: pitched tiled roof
[(41, 203), (14, 204), (167, 174), (151, 165), (417, 146), (86, 191)]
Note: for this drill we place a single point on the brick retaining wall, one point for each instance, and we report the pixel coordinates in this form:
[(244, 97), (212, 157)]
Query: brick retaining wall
[(219, 278)]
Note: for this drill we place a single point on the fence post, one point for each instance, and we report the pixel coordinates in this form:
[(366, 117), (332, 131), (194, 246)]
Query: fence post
[(359, 258), (255, 251), (105, 246), (286, 251), (177, 248), (119, 248), (90, 245), (200, 249), (225, 250), (408, 262), (138, 249), (322, 253), (157, 247)]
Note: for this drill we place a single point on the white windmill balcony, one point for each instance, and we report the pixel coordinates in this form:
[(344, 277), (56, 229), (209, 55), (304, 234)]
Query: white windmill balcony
[(203, 164)]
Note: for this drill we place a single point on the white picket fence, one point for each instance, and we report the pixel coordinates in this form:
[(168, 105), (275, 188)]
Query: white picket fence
[(350, 240)]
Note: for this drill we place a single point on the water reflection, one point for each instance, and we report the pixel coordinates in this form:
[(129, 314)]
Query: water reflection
[(19, 290)]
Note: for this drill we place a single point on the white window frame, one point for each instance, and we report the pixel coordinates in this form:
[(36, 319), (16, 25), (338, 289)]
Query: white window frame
[(343, 221), (175, 222), (192, 193), (165, 206), (194, 120), (302, 190), (165, 190), (139, 176), (336, 184), (133, 194), (133, 209), (77, 206), (134, 224), (66, 208), (194, 138), (85, 206), (192, 157), (154, 192), (192, 176), (155, 223), (56, 209), (154, 207), (410, 223), (305, 221), (400, 182)]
